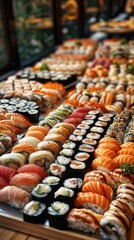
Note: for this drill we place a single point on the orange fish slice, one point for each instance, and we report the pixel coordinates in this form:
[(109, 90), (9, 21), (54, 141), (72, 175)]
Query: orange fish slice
[(109, 140), (124, 158), (111, 146), (104, 152), (126, 151), (104, 164), (100, 188), (128, 145)]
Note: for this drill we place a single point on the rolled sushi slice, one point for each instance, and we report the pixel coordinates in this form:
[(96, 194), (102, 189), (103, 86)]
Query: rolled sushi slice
[(51, 146), (42, 158), (89, 122), (93, 135), (62, 160), (69, 145), (83, 157), (77, 169), (64, 194), (79, 132), (83, 220), (90, 117), (57, 138), (83, 126), (42, 193), (32, 140), (57, 214), (73, 183), (86, 148), (67, 152), (25, 149), (102, 124), (97, 130), (34, 212), (53, 182), (13, 160), (57, 170), (75, 138), (89, 141)]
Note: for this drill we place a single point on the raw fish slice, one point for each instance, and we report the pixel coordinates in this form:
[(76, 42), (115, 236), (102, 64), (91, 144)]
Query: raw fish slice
[(109, 140), (68, 126), (104, 164), (105, 152), (100, 188), (24, 148), (97, 175), (74, 121), (44, 129), (128, 145), (61, 130), (33, 168), (81, 110), (111, 146), (126, 151), (26, 181), (88, 220), (7, 172), (14, 196), (3, 182), (37, 134), (124, 158), (93, 201), (20, 122)]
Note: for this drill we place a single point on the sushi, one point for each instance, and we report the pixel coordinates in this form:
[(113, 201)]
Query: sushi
[(67, 152), (25, 181), (124, 158), (104, 163), (83, 220), (57, 138), (33, 168), (7, 172), (42, 193), (3, 182), (14, 196), (96, 202), (25, 149), (57, 170), (83, 157), (53, 182), (73, 183), (28, 139), (77, 169), (34, 212), (37, 134), (64, 194), (42, 158), (57, 213), (13, 160), (51, 146)]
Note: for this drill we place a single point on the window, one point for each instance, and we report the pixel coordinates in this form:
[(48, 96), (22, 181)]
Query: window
[(34, 28)]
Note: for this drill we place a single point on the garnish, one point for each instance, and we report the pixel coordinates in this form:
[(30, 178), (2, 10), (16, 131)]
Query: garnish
[(44, 66), (131, 68), (78, 43), (127, 168)]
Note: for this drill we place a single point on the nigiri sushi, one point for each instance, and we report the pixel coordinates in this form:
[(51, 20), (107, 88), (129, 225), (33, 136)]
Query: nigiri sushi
[(61, 130), (20, 122), (44, 129), (112, 146), (3, 182), (42, 158), (128, 145), (68, 126), (13, 160), (37, 134), (109, 140), (7, 172), (26, 181), (124, 158), (14, 196), (83, 220), (93, 201), (104, 152), (33, 168), (100, 188), (126, 151), (104, 164), (58, 138)]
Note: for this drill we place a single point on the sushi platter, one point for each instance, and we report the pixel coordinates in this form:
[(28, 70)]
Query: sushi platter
[(67, 171)]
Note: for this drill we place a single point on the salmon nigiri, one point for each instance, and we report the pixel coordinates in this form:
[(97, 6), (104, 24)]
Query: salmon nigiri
[(104, 164), (105, 152), (24, 148), (100, 188), (26, 181), (109, 140), (126, 151), (44, 129), (111, 146), (124, 158), (20, 122), (37, 134), (128, 145), (93, 201), (33, 168), (14, 196)]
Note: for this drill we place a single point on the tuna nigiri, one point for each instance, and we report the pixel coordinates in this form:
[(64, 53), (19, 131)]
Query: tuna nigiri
[(26, 181), (3, 182), (93, 201), (33, 168), (14, 196), (7, 172)]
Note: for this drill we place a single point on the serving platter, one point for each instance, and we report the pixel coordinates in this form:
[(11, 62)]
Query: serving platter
[(12, 218)]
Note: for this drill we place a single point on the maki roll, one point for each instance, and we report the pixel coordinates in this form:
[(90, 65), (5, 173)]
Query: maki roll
[(62, 160), (53, 182), (77, 169), (69, 144), (86, 148), (89, 141), (67, 152), (33, 115), (83, 157), (34, 212), (57, 214), (75, 138), (102, 124), (90, 117), (94, 136), (64, 194), (42, 193), (73, 183), (97, 130), (79, 132), (89, 122), (57, 170), (42, 158), (83, 126), (94, 112)]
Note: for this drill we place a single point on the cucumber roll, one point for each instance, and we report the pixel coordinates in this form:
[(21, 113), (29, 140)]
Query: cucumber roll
[(42, 193), (64, 194), (34, 212), (53, 182), (57, 214), (67, 152)]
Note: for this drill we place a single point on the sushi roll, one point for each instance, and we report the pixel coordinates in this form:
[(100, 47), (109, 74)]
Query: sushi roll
[(90, 117), (32, 140), (83, 220), (6, 142), (51, 146), (99, 130), (105, 118), (73, 183), (57, 138), (76, 139), (57, 213), (89, 141), (62, 160), (89, 122), (64, 194), (68, 126), (77, 169), (34, 212), (83, 126), (42, 193), (83, 157), (2, 148), (25, 149), (13, 160), (67, 152), (69, 144), (94, 136), (86, 148), (94, 112), (79, 132), (57, 170), (102, 124), (53, 182), (42, 158)]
